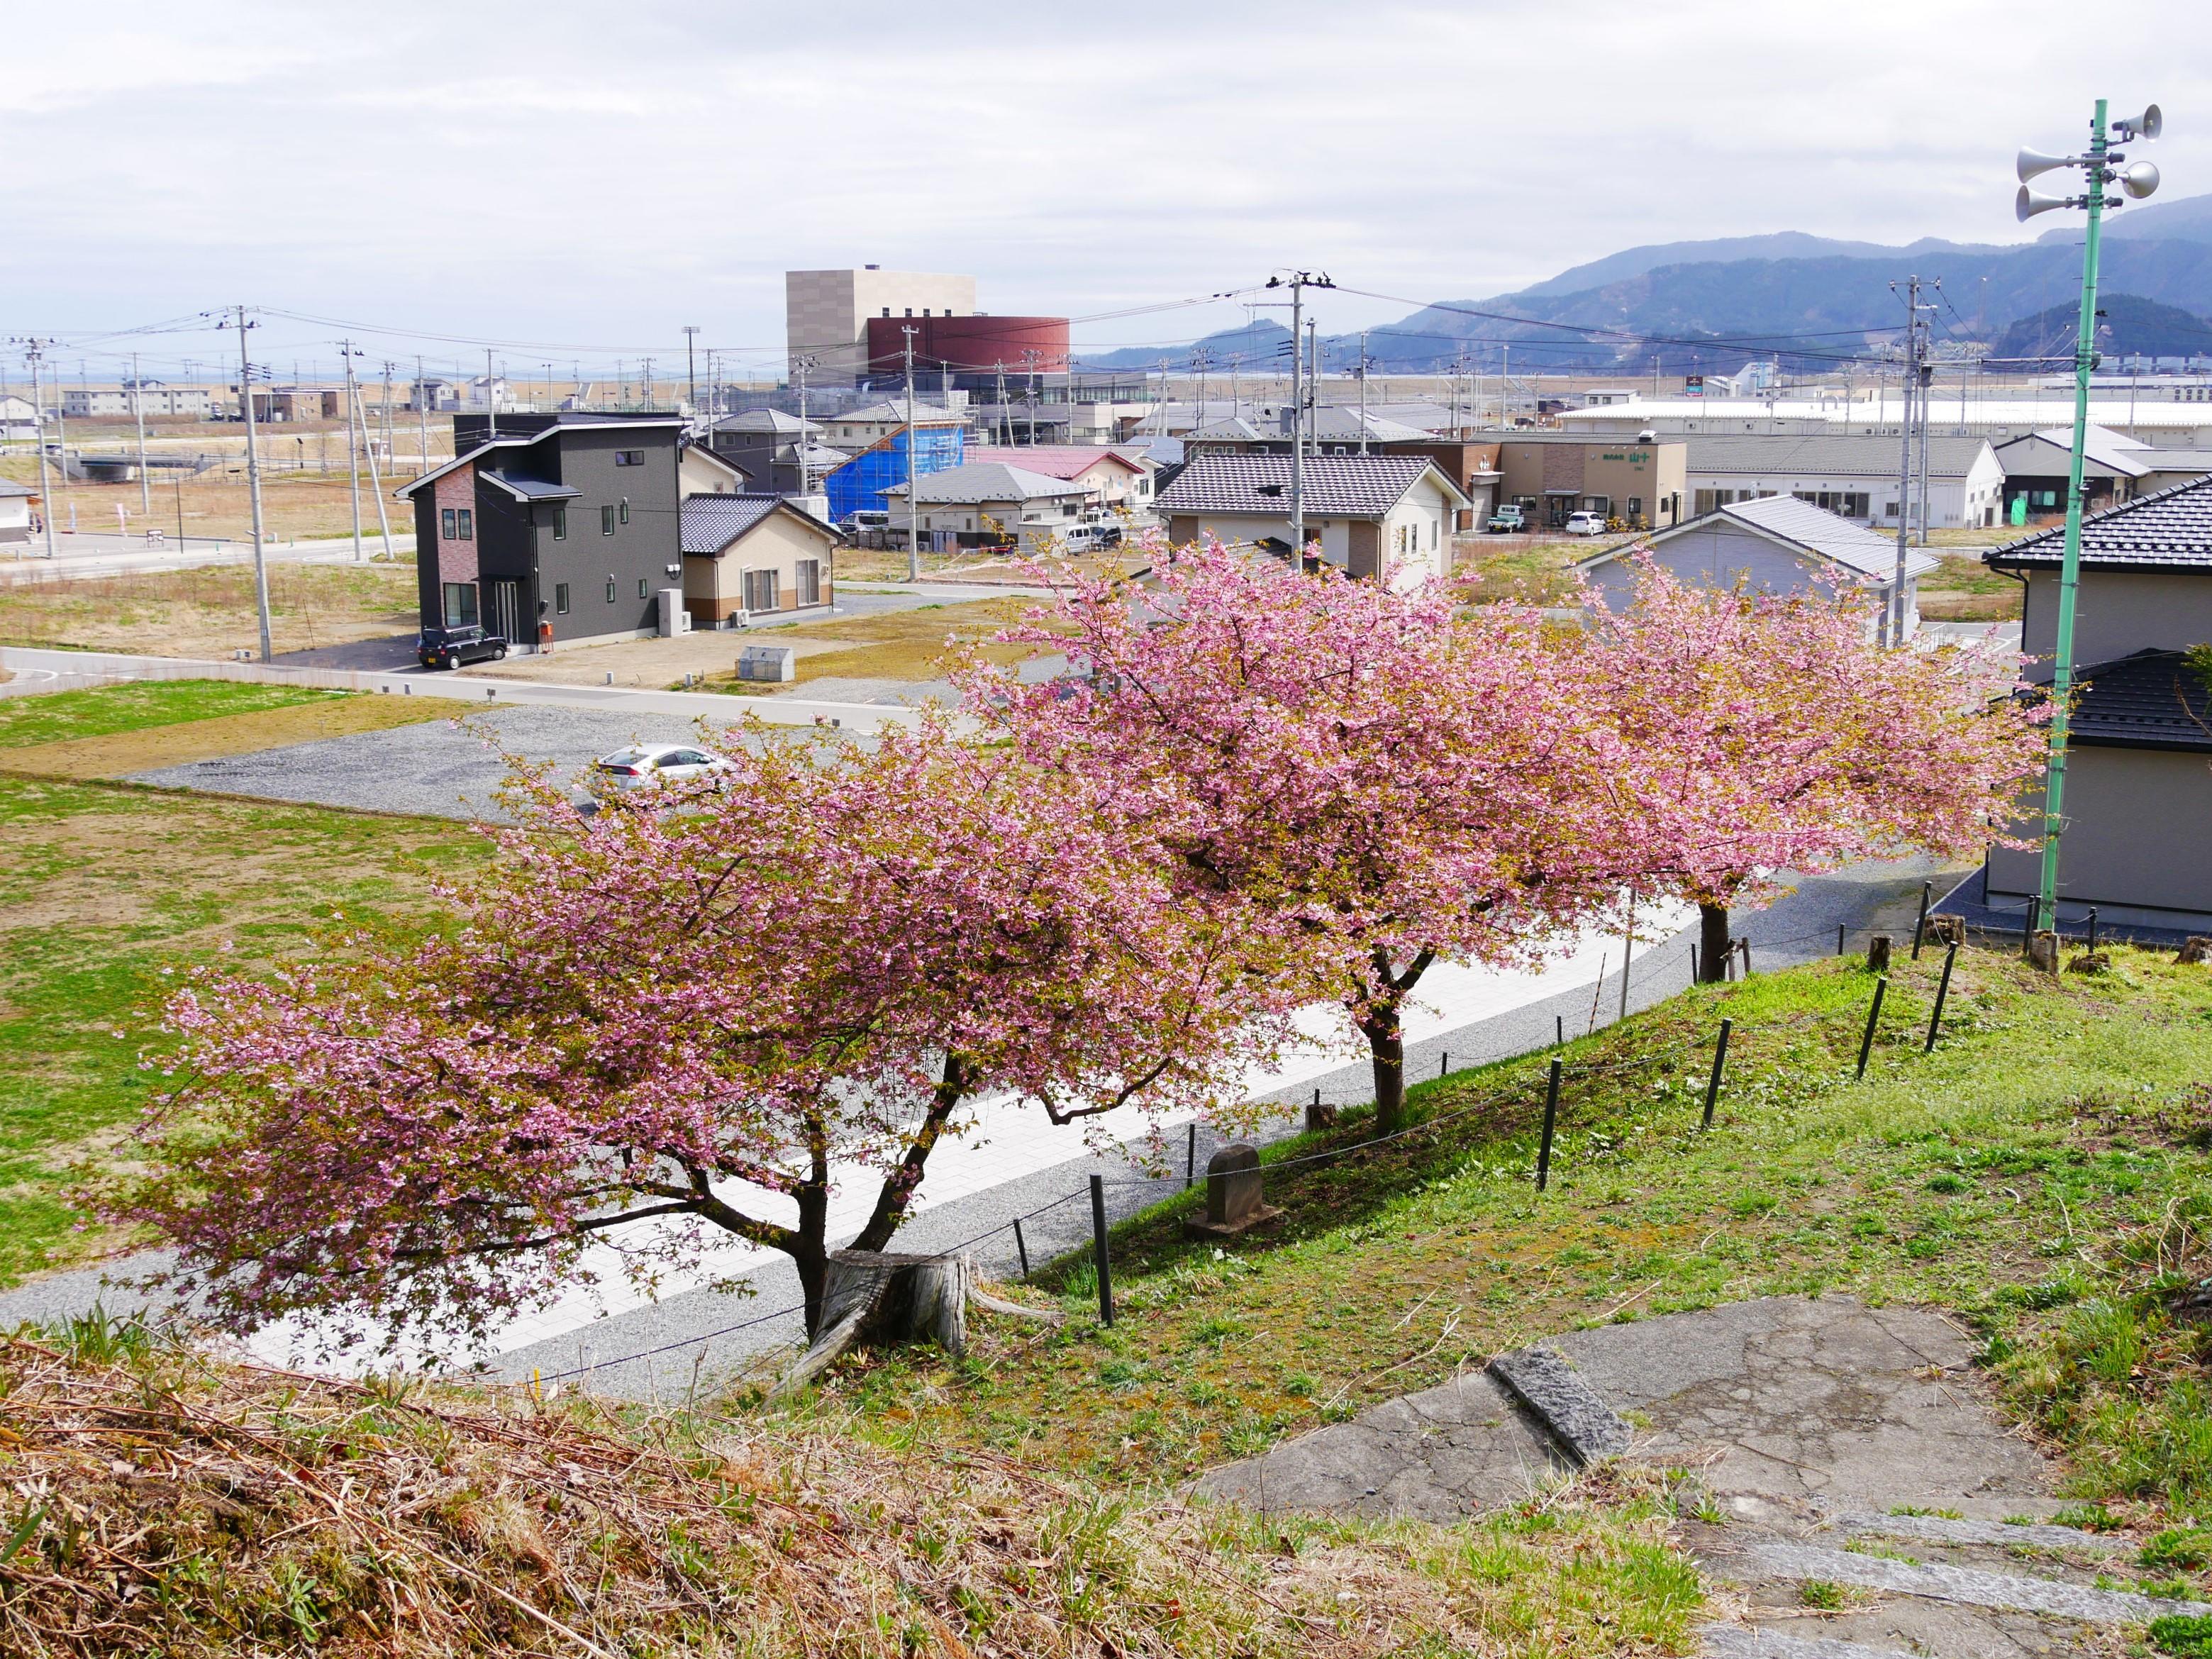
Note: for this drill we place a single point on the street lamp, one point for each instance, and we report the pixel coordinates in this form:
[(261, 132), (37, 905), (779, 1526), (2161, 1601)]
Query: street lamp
[(2101, 166)]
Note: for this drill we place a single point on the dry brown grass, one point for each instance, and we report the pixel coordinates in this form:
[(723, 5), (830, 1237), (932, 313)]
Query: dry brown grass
[(116, 754), (294, 504), (207, 612), (911, 645), (159, 1502)]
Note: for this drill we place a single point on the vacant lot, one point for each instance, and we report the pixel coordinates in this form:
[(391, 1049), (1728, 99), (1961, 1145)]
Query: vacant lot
[(1966, 589), (108, 896), (904, 645), (207, 612)]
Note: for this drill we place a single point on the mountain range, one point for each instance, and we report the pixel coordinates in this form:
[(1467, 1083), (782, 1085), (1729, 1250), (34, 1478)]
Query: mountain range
[(1710, 305)]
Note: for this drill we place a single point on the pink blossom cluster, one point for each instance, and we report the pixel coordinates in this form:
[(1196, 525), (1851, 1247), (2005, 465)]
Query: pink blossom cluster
[(703, 1008)]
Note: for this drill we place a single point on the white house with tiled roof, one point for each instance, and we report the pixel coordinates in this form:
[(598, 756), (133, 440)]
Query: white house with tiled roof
[(1387, 516)]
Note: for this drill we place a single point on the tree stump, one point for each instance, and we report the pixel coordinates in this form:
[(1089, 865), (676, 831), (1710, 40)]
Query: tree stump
[(880, 1298), (2043, 952), (2197, 949), (1878, 954), (1947, 929)]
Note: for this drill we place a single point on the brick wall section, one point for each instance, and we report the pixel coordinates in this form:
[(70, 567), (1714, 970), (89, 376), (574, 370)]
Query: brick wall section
[(456, 560), (1563, 467)]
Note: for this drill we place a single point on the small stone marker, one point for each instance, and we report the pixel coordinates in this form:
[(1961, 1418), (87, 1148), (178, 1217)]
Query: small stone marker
[(1947, 929), (1587, 1429), (2089, 962), (1319, 1117), (2197, 949), (2043, 951), (1878, 954), (1232, 1193)]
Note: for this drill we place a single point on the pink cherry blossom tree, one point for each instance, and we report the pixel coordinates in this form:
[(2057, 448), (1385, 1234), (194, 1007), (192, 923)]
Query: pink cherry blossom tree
[(1361, 776), (1773, 734), (694, 1014)]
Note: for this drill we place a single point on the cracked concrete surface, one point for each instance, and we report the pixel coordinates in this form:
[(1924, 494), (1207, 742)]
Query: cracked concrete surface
[(1787, 1406)]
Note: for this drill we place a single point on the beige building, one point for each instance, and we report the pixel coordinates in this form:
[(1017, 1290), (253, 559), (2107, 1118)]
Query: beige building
[(1551, 475), (749, 556), (826, 313)]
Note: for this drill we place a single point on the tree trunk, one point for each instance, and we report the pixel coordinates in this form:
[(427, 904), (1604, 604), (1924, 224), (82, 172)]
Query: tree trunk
[(1712, 943), (1386, 1048), (876, 1298)]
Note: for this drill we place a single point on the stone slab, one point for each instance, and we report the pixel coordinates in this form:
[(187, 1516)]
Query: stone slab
[(1582, 1423), (1447, 1452), (1758, 1641), (2009, 1592), (1942, 1529)]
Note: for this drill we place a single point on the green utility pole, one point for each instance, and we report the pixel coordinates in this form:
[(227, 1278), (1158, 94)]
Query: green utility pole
[(2070, 573)]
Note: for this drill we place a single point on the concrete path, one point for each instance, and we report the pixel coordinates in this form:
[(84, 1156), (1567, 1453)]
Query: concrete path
[(1864, 1498)]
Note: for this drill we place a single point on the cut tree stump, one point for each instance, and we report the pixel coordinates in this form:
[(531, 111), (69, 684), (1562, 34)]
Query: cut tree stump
[(879, 1298)]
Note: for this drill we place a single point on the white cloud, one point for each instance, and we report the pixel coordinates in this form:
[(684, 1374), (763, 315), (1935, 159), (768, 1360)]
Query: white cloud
[(593, 175)]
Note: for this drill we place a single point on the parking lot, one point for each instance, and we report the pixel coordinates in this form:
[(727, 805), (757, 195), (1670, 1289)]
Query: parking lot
[(452, 769)]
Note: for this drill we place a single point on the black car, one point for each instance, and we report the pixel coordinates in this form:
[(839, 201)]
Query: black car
[(449, 647)]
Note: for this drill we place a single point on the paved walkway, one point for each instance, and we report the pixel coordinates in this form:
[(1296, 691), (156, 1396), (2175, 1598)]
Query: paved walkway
[(1863, 1498)]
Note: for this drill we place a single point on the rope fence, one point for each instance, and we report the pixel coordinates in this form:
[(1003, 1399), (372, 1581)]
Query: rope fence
[(1557, 1075)]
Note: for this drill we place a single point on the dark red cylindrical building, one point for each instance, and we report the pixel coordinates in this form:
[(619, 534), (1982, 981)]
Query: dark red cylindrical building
[(968, 345)]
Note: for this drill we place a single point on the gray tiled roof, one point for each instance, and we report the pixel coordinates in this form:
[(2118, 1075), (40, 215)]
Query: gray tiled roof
[(1846, 454), (895, 409), (1336, 486), (2152, 699), (711, 523), (763, 420), (2168, 530), (1819, 532), (980, 482)]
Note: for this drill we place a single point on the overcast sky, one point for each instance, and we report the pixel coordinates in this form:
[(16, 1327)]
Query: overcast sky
[(581, 181)]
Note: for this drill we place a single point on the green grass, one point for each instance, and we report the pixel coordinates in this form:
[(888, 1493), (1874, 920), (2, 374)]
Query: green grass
[(108, 896), (134, 708), (2026, 1175)]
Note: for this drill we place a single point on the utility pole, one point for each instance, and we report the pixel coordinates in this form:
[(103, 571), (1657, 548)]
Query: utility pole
[(1363, 391), (138, 409), (375, 481), (33, 352), (799, 366), (1893, 619), (421, 421), (1297, 282), (387, 423), (690, 365), (346, 355), (253, 484), (913, 546), (491, 400), (2138, 181)]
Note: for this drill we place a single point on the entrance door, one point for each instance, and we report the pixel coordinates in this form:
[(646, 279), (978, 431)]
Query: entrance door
[(506, 610)]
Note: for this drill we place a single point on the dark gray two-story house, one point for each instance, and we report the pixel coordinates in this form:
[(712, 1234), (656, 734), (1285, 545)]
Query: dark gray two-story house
[(552, 529)]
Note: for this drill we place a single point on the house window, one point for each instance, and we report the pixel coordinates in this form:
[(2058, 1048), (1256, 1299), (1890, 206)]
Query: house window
[(625, 509), (610, 590), (560, 524), (809, 581), (460, 604), (606, 521), (445, 523), (629, 457), (760, 590), (1636, 507), (887, 311), (561, 598), (642, 591)]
